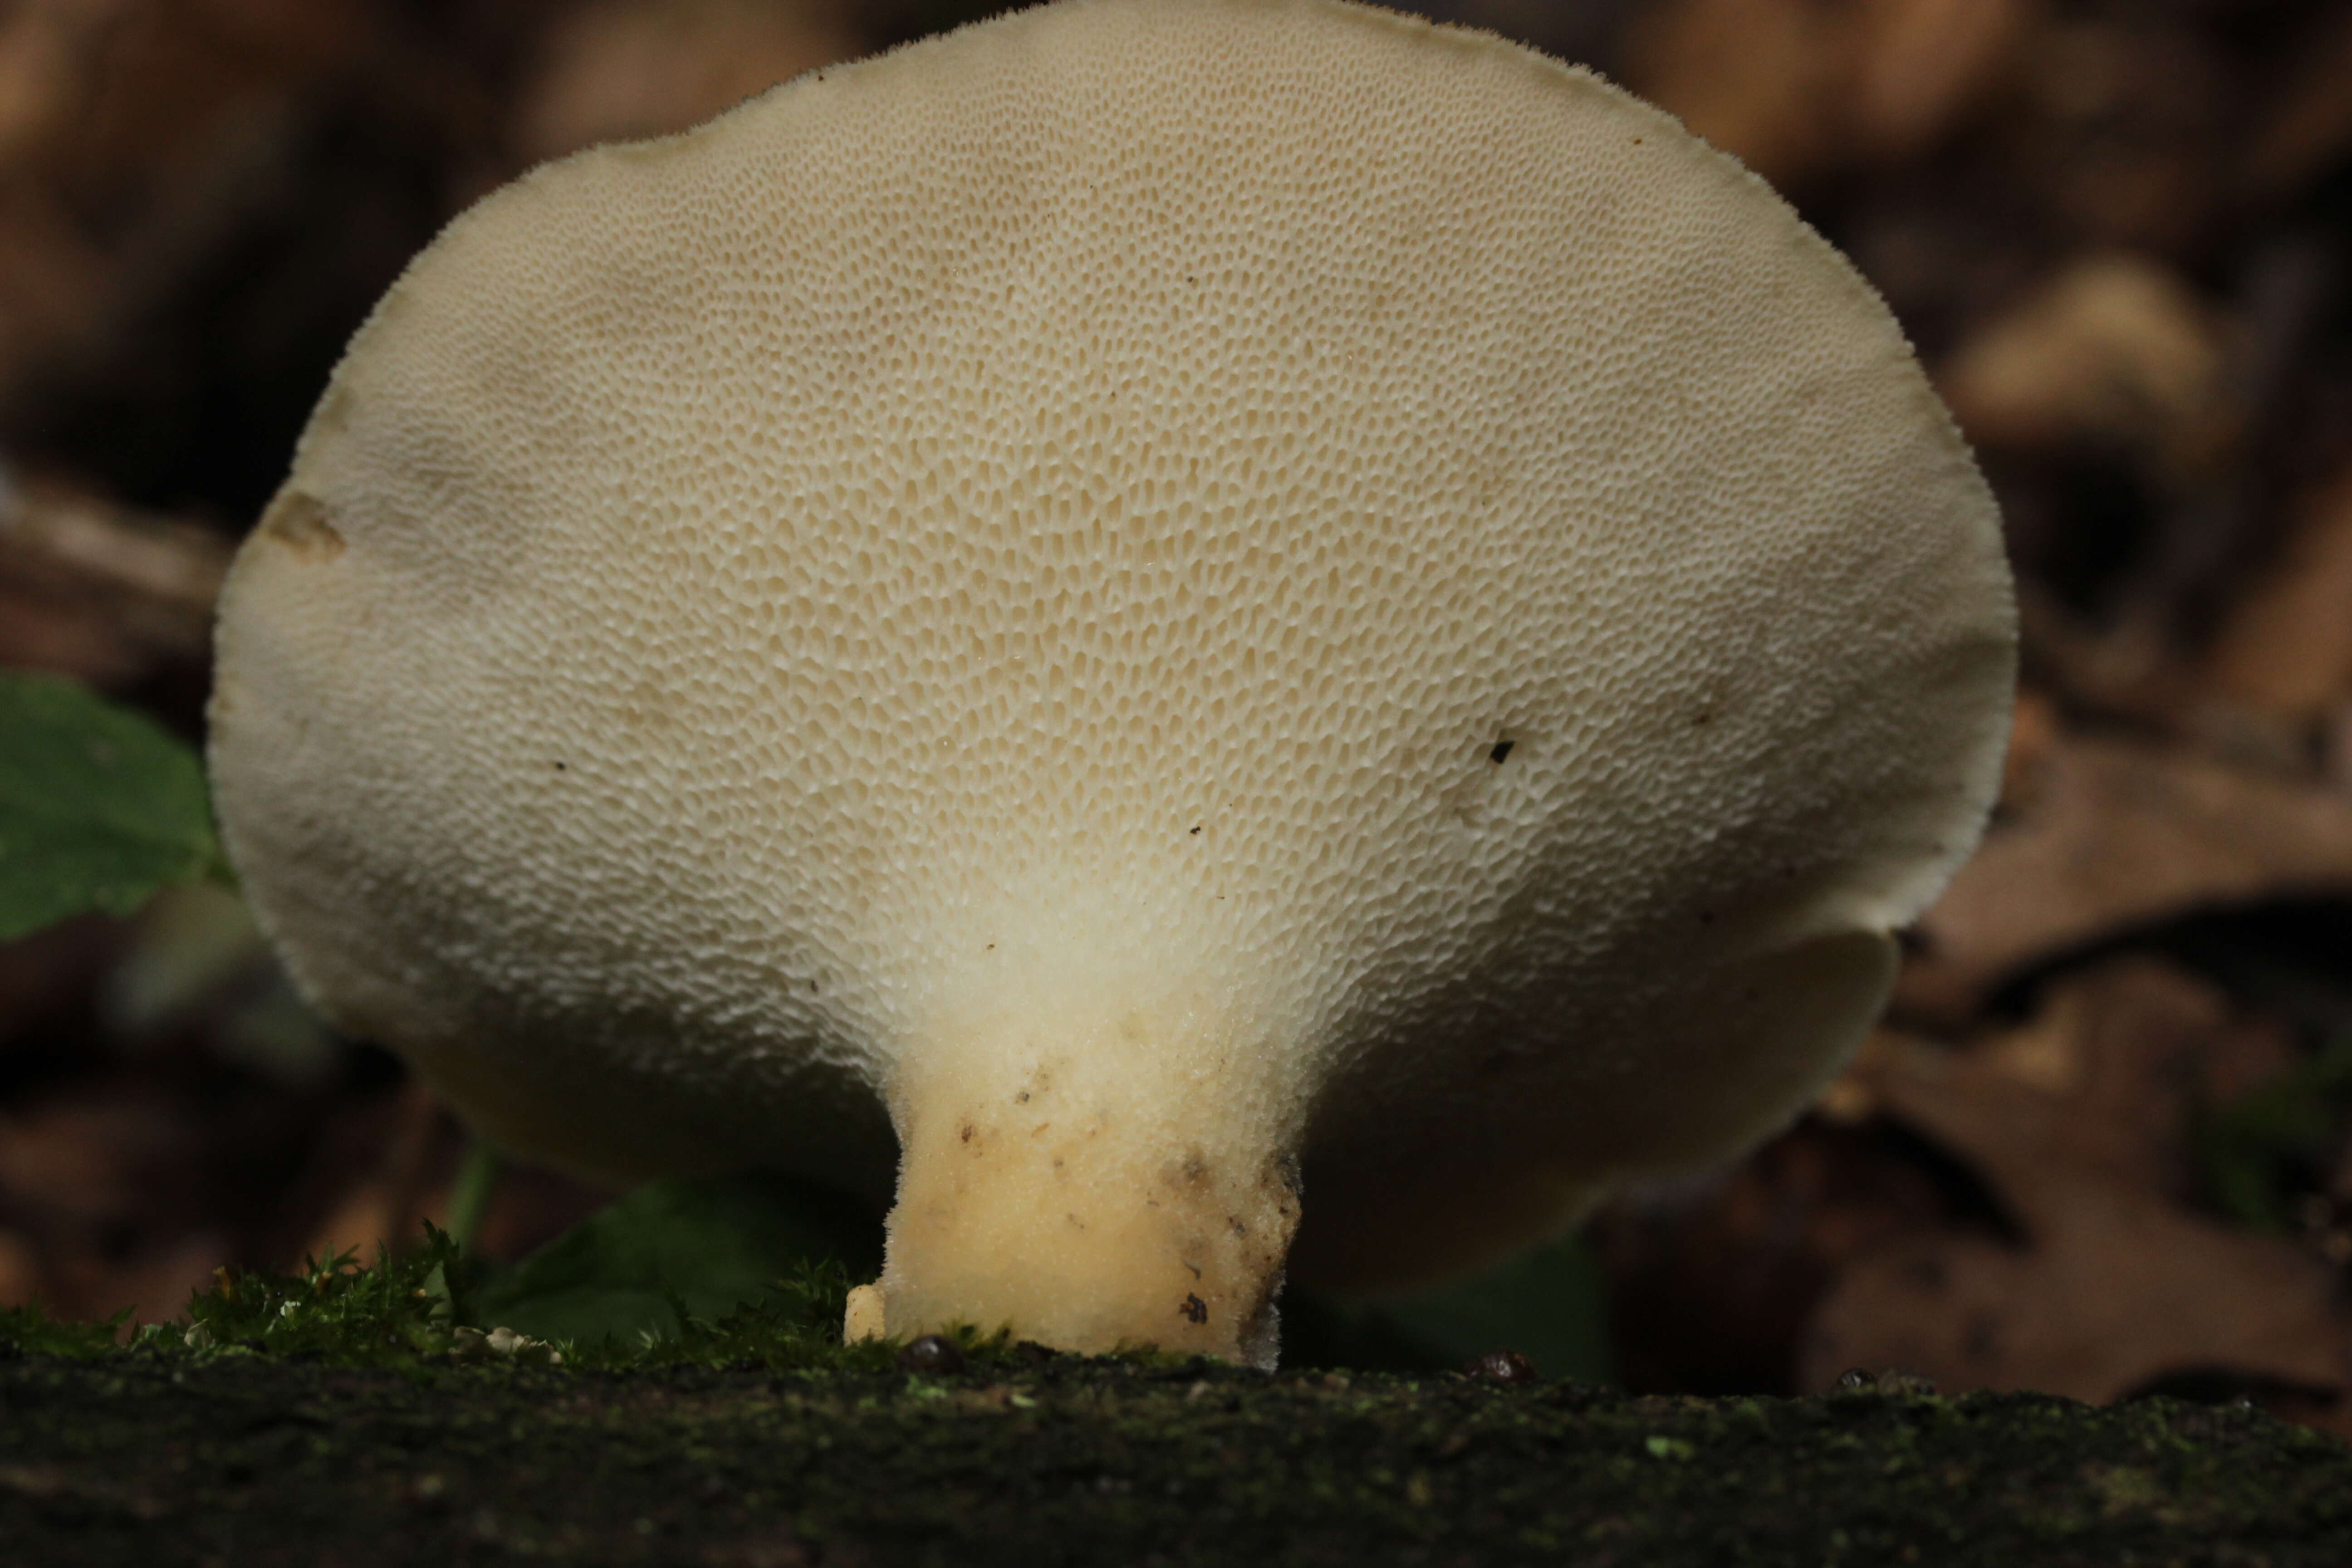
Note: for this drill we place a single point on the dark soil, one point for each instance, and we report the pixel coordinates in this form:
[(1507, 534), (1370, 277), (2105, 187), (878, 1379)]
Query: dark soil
[(159, 1459)]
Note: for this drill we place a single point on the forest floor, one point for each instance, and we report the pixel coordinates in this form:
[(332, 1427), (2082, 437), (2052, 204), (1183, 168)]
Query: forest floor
[(162, 1458)]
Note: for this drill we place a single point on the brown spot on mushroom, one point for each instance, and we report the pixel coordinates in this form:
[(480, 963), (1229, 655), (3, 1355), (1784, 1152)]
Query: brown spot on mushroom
[(1502, 750), (1193, 1310), (298, 522)]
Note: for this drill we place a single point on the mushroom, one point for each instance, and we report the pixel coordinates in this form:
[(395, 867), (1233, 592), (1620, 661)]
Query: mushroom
[(1151, 609)]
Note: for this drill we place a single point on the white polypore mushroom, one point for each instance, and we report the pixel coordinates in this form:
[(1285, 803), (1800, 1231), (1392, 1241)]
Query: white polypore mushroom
[(1183, 603)]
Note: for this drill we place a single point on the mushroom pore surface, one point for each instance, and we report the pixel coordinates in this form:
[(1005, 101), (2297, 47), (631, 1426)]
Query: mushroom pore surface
[(1216, 631)]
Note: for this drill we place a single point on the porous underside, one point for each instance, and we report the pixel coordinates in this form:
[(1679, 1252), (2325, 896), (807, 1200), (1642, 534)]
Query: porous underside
[(1355, 570)]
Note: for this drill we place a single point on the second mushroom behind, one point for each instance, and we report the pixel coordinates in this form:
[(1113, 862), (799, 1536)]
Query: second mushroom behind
[(1194, 639)]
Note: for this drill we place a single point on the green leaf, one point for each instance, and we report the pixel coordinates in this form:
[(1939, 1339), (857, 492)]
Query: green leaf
[(702, 1247), (1548, 1306), (100, 807)]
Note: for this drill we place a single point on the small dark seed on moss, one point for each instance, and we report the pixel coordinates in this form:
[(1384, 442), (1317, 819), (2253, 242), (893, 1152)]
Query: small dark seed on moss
[(1508, 1367), (931, 1353)]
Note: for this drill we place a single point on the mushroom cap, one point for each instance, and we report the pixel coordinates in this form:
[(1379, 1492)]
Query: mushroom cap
[(1340, 562)]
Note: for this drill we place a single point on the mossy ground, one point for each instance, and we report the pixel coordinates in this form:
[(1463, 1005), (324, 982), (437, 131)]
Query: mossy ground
[(344, 1416), (162, 1456)]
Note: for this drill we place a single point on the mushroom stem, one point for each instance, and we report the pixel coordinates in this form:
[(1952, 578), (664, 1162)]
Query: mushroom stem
[(1091, 1198)]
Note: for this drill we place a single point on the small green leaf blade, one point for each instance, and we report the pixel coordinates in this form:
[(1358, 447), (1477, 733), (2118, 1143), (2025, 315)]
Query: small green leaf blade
[(100, 806), (711, 1244)]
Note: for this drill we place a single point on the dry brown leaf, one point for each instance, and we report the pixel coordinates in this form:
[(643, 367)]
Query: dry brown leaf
[(2125, 109), (2103, 1076), (91, 1163), (2035, 728), (390, 1198), (101, 593), (1920, 65), (2308, 125), (1791, 87), (2336, 746), (627, 68), (1712, 1282), (20, 1270), (2114, 346), (1760, 78), (156, 1286), (2128, 667), (2117, 1293), (2101, 1079), (2120, 835), (2115, 1286), (121, 121), (2285, 647)]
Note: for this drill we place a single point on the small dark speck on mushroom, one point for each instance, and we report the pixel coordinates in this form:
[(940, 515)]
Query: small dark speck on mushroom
[(1193, 1310), (563, 767), (1020, 1098), (1502, 750), (1196, 830)]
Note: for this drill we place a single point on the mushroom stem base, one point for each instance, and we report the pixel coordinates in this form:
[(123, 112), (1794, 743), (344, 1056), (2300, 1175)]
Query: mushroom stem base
[(1090, 1212)]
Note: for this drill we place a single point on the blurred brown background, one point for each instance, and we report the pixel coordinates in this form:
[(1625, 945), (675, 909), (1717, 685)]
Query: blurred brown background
[(2101, 1147)]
